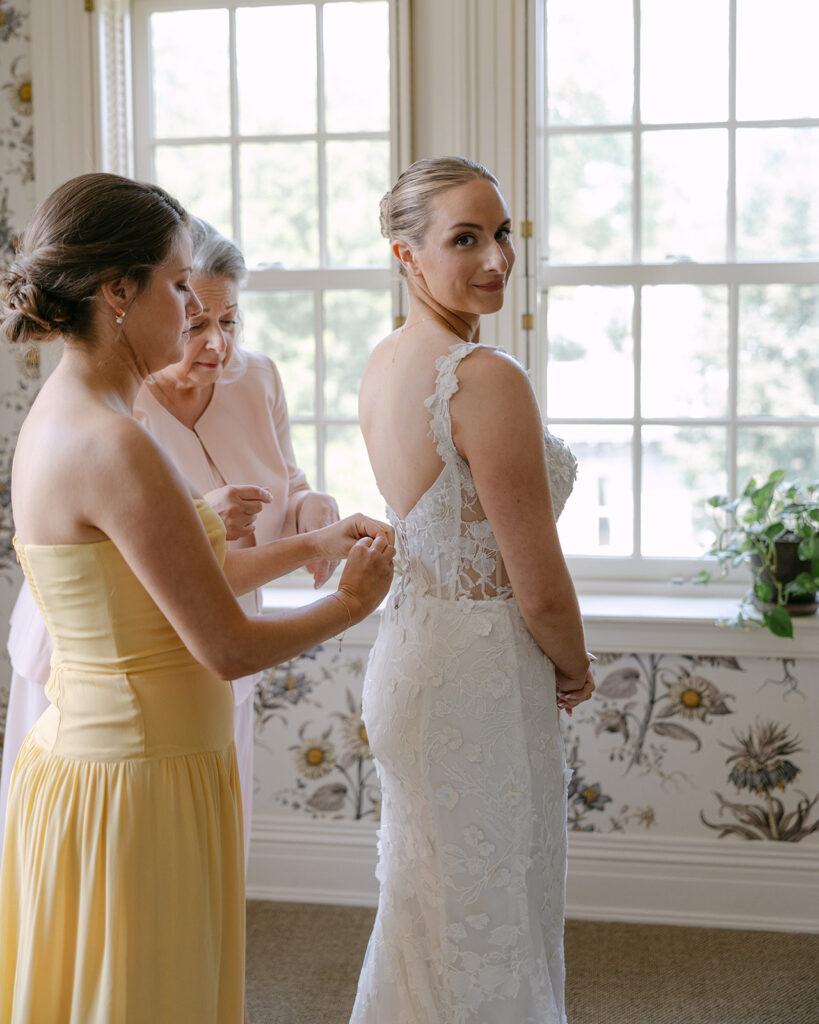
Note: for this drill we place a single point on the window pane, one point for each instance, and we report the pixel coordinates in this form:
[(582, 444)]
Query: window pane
[(356, 67), (590, 198), (276, 69), (354, 322), (303, 436), (358, 175), (761, 450), (589, 350), (590, 73), (781, 39), (599, 516), (777, 204), (685, 178), (349, 477), (281, 324), (279, 193), (674, 39), (199, 177), (684, 351), (682, 468), (779, 351), (189, 58)]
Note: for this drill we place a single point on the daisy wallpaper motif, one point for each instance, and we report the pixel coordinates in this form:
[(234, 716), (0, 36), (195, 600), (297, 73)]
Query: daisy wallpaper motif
[(672, 744)]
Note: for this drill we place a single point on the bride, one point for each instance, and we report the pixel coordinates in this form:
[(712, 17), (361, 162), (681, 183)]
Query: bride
[(481, 642)]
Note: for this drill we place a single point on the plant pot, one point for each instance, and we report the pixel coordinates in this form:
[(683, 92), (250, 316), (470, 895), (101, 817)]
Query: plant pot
[(788, 567)]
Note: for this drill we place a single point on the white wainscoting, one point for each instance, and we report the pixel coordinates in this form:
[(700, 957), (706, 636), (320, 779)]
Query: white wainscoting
[(707, 883)]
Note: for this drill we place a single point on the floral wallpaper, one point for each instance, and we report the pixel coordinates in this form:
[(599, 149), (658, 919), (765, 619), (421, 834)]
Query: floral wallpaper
[(671, 744), (19, 372)]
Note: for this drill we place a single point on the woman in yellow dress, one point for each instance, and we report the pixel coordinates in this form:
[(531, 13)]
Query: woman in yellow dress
[(122, 883)]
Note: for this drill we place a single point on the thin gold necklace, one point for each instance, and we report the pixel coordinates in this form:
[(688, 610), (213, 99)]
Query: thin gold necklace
[(427, 319)]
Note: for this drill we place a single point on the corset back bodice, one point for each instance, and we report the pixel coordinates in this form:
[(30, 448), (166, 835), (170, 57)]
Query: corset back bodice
[(445, 545)]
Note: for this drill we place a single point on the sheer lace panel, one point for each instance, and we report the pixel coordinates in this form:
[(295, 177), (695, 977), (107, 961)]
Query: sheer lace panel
[(445, 545)]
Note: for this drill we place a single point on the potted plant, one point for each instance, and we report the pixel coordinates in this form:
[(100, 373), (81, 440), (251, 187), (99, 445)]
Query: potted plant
[(774, 527)]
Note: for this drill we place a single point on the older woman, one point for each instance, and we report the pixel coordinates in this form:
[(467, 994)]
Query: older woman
[(221, 415)]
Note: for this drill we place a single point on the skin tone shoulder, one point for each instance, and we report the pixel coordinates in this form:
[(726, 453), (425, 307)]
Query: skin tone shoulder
[(456, 276), (114, 483)]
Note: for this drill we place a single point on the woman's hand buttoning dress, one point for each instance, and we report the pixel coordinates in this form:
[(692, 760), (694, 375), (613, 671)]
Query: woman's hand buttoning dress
[(481, 639)]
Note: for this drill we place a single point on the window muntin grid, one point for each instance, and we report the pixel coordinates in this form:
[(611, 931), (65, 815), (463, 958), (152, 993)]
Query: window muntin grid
[(653, 316)]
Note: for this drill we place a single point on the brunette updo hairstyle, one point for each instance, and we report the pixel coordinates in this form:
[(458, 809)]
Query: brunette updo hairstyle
[(92, 229), (405, 208)]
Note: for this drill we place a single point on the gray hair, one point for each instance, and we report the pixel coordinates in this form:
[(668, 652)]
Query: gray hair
[(405, 209), (214, 255)]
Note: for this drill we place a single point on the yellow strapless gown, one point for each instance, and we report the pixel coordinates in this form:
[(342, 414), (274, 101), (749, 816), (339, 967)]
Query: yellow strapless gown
[(122, 878)]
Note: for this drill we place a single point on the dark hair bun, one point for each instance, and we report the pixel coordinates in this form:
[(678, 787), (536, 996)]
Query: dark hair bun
[(29, 313)]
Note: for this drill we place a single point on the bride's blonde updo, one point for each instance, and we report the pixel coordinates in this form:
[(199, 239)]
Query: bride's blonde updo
[(405, 208), (92, 229)]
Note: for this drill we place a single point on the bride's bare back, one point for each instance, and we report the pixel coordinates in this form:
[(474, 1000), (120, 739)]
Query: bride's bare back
[(397, 380)]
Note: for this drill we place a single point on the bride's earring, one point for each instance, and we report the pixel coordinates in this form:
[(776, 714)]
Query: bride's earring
[(120, 317)]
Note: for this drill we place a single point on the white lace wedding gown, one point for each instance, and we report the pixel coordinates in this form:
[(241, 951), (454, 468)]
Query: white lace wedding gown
[(459, 705)]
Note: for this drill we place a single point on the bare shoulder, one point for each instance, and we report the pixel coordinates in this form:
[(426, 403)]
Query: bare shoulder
[(485, 360), (376, 369), (492, 375), (382, 353), (105, 462), (495, 406)]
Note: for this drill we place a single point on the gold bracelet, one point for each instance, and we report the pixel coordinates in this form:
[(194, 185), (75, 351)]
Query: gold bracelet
[(346, 607)]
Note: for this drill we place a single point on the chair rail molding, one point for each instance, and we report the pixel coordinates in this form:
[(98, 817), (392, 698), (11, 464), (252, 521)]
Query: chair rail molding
[(654, 880)]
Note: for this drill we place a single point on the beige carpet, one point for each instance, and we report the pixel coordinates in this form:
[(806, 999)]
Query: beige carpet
[(303, 962)]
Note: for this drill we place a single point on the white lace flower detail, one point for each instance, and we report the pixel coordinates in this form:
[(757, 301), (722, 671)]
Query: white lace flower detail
[(450, 737), (499, 685), (446, 796)]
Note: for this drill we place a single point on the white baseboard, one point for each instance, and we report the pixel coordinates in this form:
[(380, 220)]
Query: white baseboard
[(707, 883)]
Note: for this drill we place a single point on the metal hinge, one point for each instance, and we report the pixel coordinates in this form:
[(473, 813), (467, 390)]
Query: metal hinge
[(527, 322), (526, 229), (399, 321), (89, 6)]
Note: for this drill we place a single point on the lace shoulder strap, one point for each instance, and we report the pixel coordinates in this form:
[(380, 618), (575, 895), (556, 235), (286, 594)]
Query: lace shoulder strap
[(446, 384)]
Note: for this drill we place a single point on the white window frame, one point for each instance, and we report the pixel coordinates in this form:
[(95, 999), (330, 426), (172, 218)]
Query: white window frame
[(647, 573), (316, 280)]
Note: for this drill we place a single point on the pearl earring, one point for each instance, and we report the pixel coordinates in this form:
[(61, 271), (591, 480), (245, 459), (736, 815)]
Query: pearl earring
[(120, 317)]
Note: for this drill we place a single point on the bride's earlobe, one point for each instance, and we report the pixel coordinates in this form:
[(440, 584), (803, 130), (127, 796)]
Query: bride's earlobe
[(403, 253)]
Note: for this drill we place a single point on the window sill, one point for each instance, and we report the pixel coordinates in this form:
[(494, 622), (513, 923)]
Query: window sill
[(639, 623)]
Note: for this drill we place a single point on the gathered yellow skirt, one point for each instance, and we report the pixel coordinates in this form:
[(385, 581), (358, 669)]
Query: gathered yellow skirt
[(121, 900)]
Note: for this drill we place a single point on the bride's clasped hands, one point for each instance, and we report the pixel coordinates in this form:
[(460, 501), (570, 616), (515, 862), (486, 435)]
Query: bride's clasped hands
[(568, 694)]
